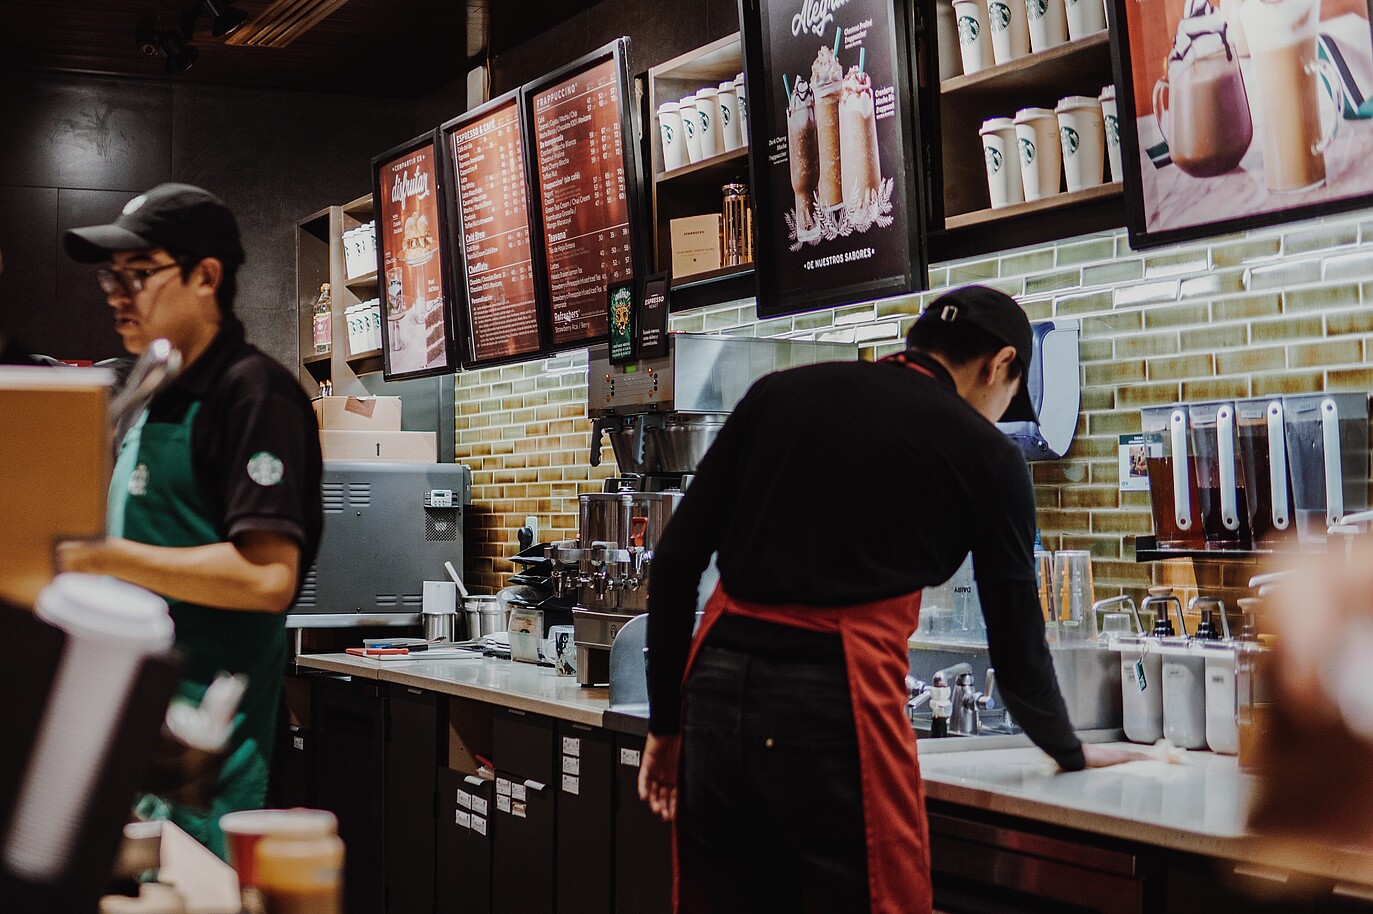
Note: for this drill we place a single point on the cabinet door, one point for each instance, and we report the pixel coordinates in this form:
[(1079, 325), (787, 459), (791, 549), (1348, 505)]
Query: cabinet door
[(1199, 884), (463, 853), (523, 855), (643, 842), (412, 758), (586, 820)]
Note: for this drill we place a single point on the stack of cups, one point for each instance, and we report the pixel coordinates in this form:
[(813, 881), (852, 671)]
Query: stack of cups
[(1085, 17), (1010, 30), (1112, 127), (1036, 130), (973, 43), (1003, 162), (672, 135), (1048, 25), (1083, 140)]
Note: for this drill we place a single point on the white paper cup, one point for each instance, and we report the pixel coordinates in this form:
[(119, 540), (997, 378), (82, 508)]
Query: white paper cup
[(1111, 125), (1036, 131), (691, 127), (1082, 139), (1048, 24), (973, 42), (1085, 17), (712, 135), (729, 116), (1002, 157), (741, 93), (670, 136), (1010, 29)]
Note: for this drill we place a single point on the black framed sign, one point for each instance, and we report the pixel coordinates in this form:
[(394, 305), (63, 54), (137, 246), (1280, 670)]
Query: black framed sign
[(620, 302), (587, 190), (418, 331), (489, 214), (1252, 113), (837, 204), (654, 308)]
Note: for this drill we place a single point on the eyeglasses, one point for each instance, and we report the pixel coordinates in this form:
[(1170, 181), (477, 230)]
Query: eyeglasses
[(130, 280)]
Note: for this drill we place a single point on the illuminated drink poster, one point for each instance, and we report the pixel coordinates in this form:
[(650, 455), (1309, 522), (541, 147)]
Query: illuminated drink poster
[(837, 210), (411, 270)]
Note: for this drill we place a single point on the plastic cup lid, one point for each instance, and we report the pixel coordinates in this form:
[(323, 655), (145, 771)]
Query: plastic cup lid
[(727, 86), (669, 106), (707, 92), (1025, 115), (1073, 102), (992, 125), (1107, 93), (688, 101), (294, 822), (96, 606)]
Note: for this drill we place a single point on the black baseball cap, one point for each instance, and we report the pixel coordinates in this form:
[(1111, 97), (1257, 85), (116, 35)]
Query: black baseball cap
[(999, 315), (181, 217)]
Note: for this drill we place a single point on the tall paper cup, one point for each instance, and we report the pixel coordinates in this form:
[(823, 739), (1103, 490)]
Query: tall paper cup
[(1048, 24), (1111, 125), (999, 150), (1082, 139), (741, 93), (729, 116), (1010, 29), (245, 828), (1036, 131), (671, 136), (691, 127), (1085, 17), (712, 136), (973, 42)]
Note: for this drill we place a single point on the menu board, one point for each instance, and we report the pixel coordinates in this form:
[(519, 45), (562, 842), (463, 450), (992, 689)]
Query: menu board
[(830, 93), (585, 175), (1241, 115), (410, 261), (491, 199)]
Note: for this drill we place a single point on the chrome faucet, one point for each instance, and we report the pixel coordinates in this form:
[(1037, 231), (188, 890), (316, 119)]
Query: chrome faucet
[(968, 703), (1124, 599)]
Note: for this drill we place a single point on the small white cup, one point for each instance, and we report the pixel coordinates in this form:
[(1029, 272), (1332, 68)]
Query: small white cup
[(671, 136), (691, 127), (1010, 30), (440, 598), (1085, 17), (712, 134), (1111, 125), (1041, 158), (729, 116), (1002, 156), (1048, 24), (740, 92), (973, 42), (1082, 139)]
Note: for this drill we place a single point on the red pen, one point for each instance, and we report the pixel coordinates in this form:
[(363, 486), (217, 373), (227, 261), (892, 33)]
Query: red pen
[(376, 651)]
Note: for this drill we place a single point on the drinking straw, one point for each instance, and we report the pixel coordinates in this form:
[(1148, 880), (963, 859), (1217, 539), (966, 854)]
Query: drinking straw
[(837, 32), (862, 58), (786, 85)]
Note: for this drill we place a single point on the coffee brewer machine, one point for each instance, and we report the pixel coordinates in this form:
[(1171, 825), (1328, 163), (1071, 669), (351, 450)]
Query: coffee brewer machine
[(661, 415)]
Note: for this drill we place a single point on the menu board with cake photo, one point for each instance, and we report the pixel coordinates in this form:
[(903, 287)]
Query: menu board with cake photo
[(1243, 112), (416, 338), (833, 166), (489, 203), (587, 190)]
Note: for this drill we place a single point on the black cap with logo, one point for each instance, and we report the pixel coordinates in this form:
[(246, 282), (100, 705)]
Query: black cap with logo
[(999, 315), (180, 217)]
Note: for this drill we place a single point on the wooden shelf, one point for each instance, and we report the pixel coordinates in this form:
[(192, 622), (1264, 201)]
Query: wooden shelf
[(1058, 201), (314, 359), (1147, 550), (369, 354), (697, 279), (1060, 67), (710, 164), (366, 279), (717, 61), (360, 209)]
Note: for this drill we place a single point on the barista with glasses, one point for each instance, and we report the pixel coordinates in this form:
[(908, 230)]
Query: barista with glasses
[(215, 500)]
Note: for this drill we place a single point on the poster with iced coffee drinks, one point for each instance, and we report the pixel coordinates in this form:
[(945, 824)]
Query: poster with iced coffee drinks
[(836, 201), (411, 269), (1239, 113)]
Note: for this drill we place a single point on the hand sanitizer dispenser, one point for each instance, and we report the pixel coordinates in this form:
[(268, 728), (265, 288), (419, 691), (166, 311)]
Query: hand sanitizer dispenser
[(1055, 392)]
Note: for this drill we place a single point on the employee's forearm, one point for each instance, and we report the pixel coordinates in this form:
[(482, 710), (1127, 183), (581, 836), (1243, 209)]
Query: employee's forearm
[(216, 575)]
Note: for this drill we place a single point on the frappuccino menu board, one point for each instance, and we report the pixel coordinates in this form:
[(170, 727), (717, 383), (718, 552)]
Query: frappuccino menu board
[(583, 179), (493, 209), (833, 159)]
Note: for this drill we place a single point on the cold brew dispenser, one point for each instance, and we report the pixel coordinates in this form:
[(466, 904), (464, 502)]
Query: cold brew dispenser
[(1327, 451), (1220, 483), (1263, 460), (1172, 479)]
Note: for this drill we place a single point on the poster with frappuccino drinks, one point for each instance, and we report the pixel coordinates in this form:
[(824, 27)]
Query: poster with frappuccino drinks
[(1240, 113), (836, 197)]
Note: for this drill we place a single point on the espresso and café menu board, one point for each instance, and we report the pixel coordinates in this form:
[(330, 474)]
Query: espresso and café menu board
[(488, 164), (411, 271), (832, 164), (584, 179)]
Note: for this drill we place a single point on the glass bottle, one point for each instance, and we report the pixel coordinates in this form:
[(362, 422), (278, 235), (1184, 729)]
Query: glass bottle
[(323, 322)]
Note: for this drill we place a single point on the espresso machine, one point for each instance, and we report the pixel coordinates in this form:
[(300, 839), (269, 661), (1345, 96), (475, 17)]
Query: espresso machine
[(661, 416)]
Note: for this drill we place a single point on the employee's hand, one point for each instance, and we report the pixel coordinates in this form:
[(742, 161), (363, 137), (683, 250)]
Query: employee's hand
[(658, 775), (86, 556), (1106, 756)]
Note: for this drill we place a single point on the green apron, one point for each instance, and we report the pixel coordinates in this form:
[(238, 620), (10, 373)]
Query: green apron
[(154, 499)]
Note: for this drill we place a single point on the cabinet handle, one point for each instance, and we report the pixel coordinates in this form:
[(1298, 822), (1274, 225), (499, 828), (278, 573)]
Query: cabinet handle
[(1262, 872), (1357, 892)]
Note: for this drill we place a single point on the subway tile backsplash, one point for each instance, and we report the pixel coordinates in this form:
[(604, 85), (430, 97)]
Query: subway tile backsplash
[(1285, 310)]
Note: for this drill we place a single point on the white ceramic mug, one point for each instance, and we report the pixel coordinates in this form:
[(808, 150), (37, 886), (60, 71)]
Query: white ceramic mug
[(1048, 24), (1111, 125), (729, 116), (711, 134), (1082, 138), (691, 127), (1010, 29), (1002, 156), (973, 42), (1036, 131), (1085, 17), (671, 136)]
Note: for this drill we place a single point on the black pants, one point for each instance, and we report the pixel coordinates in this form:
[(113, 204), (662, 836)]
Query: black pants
[(771, 802)]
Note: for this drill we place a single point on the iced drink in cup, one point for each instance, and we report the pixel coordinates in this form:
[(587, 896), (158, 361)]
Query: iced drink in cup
[(244, 829), (826, 80), (805, 164), (860, 166)]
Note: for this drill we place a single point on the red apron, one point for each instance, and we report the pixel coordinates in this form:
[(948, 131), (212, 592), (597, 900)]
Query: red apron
[(875, 637)]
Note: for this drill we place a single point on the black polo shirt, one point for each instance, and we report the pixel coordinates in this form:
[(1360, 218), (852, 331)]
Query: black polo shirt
[(250, 406), (849, 482)]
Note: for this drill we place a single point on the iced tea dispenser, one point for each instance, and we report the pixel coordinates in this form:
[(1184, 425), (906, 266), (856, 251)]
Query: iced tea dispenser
[(1327, 451), (1224, 510), (1172, 478), (1263, 459)]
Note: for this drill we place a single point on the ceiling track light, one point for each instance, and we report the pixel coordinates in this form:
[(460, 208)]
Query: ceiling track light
[(224, 19), (179, 55)]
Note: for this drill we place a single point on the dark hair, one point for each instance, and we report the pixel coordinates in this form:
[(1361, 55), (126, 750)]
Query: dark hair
[(228, 278), (958, 342)]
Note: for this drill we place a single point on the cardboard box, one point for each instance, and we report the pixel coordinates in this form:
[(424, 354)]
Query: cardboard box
[(394, 447), (371, 414), (695, 244)]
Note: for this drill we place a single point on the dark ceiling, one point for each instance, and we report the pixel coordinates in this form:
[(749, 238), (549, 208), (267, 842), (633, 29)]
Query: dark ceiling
[(396, 48)]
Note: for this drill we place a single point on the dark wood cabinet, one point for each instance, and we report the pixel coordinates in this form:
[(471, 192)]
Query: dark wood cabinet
[(412, 759), (523, 852), (462, 865), (643, 842), (586, 819)]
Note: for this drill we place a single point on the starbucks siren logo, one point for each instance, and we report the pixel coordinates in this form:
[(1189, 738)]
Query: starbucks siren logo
[(993, 159), (1000, 16), (667, 134), (1037, 8), (1027, 152), (265, 469), (968, 29), (705, 122), (724, 115), (1112, 130), (689, 124), (138, 480), (1071, 141)]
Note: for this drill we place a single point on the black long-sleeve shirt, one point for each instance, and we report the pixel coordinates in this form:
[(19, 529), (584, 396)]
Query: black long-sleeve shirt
[(849, 482)]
